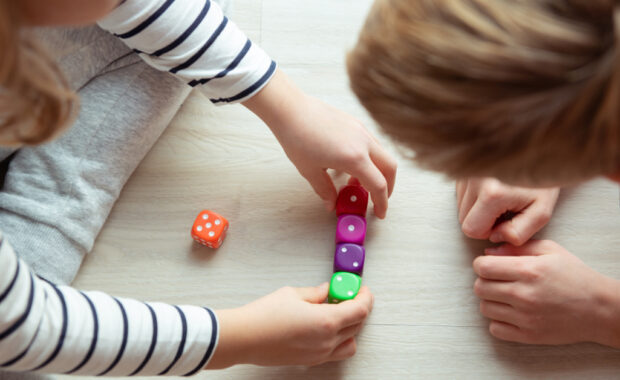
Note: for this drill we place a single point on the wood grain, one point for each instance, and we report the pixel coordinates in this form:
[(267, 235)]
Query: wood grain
[(425, 323)]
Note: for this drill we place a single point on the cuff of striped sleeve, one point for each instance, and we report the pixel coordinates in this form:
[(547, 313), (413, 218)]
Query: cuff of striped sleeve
[(57, 329), (195, 41)]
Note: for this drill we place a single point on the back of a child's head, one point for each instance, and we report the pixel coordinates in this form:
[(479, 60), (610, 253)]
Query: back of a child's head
[(36, 103), (523, 90)]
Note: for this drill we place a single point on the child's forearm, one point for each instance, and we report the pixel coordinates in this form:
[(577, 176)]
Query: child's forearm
[(57, 329), (233, 343), (277, 104), (609, 313)]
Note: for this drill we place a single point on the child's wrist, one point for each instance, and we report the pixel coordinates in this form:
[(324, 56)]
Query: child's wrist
[(232, 347), (608, 331), (277, 102)]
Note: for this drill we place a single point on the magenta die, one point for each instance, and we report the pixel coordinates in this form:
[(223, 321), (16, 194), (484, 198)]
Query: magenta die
[(349, 258), (351, 229)]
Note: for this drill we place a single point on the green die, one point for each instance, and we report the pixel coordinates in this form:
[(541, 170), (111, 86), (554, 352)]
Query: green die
[(343, 286)]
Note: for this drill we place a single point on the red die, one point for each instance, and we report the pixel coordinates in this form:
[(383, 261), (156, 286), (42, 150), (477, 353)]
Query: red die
[(209, 229), (352, 199)]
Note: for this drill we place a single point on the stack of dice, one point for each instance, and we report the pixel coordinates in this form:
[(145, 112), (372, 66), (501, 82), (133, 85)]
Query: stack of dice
[(350, 253)]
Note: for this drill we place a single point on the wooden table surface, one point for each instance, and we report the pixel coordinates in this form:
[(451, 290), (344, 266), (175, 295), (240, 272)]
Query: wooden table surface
[(425, 322)]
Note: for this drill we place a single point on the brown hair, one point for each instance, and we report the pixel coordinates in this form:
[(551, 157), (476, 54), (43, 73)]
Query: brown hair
[(523, 90), (35, 100)]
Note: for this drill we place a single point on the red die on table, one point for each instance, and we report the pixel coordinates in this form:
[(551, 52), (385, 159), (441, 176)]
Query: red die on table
[(209, 229), (352, 199)]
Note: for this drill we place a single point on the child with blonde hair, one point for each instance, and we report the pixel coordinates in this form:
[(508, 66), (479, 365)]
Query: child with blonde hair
[(57, 194), (512, 99)]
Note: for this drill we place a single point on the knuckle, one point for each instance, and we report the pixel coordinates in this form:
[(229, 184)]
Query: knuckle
[(495, 330), (353, 350), (478, 287), (491, 193), (361, 312), (328, 325), (354, 157), (527, 298), (484, 308), (544, 217), (470, 230), (483, 268)]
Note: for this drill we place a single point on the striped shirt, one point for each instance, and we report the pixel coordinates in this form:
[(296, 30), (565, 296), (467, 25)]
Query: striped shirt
[(58, 329), (195, 41)]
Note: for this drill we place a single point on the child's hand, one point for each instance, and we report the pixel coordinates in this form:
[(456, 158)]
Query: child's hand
[(484, 202), (540, 293), (291, 326), (317, 137)]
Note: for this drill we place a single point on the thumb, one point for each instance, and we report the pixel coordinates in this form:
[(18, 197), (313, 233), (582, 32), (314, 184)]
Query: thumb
[(314, 294)]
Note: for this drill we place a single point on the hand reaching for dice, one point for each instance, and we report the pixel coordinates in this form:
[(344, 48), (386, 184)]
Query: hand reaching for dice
[(317, 137), (291, 326)]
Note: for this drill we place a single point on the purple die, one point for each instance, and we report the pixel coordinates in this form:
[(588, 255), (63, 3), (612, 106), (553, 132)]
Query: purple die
[(349, 258), (351, 229)]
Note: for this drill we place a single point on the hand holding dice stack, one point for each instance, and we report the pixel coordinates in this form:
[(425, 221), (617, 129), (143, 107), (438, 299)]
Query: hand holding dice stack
[(350, 253)]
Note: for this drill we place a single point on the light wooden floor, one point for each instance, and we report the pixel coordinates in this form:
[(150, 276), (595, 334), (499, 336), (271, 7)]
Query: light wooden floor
[(425, 323)]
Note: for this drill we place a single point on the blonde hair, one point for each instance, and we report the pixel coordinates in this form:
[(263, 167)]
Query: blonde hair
[(523, 90), (35, 100)]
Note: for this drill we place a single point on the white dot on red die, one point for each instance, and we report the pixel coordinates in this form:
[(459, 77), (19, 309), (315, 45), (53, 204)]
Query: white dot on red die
[(353, 198), (205, 216), (217, 222), (343, 249), (199, 228), (211, 233), (351, 228), (356, 264), (208, 225)]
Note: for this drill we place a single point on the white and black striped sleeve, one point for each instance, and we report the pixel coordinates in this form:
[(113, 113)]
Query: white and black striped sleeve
[(57, 329), (195, 41)]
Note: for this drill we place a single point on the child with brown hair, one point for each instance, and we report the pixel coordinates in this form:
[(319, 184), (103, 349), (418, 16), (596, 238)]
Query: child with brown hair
[(499, 95)]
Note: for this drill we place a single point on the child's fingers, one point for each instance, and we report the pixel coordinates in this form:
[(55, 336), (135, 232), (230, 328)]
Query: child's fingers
[(373, 180), (491, 290), (523, 226), (467, 201), (350, 331), (356, 310), (498, 311), (323, 185), (385, 163), (314, 294), (344, 350), (500, 268), (353, 181), (483, 214), (506, 331), (531, 248), (461, 187)]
